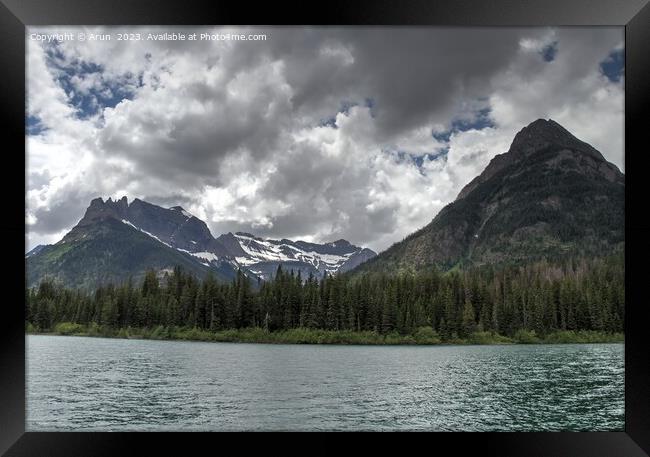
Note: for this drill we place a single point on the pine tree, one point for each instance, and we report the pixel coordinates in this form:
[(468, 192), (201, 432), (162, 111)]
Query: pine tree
[(469, 323)]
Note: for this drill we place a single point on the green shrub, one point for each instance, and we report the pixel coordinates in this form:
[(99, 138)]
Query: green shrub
[(107, 331), (583, 336), (158, 333), (93, 329), (68, 328), (302, 335), (191, 333), (488, 338), (426, 335), (526, 337)]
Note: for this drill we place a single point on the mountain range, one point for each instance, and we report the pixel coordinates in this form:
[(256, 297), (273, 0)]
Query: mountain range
[(550, 195), (116, 240)]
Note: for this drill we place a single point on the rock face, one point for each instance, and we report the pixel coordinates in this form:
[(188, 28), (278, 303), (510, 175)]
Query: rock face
[(550, 195), (116, 240)]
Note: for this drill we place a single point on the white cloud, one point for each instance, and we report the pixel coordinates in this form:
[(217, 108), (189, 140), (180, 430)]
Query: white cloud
[(234, 131), (570, 90)]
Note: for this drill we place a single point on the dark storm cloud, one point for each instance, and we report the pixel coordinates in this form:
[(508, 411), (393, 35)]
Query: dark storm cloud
[(420, 74), (413, 74)]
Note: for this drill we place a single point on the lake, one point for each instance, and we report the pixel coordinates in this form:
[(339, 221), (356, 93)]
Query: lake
[(101, 384)]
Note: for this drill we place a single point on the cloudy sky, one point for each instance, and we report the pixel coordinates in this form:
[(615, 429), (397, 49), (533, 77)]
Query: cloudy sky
[(314, 134)]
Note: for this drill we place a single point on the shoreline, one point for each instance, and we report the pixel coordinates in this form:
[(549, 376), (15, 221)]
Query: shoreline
[(421, 337)]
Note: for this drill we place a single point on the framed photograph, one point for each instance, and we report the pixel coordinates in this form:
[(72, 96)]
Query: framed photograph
[(365, 217)]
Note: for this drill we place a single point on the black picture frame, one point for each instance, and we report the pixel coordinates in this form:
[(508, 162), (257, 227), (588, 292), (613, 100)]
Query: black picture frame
[(634, 15)]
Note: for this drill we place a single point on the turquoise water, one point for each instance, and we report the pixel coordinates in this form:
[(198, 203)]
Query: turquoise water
[(77, 383)]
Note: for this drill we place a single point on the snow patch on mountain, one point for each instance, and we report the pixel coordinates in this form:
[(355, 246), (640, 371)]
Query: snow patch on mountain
[(256, 255), (182, 211), (205, 255), (260, 250), (145, 232)]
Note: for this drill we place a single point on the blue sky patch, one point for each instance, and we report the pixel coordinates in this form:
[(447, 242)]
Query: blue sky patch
[(329, 122), (549, 51), (613, 67), (34, 126), (371, 105), (104, 93), (481, 121), (419, 160), (345, 108), (442, 136)]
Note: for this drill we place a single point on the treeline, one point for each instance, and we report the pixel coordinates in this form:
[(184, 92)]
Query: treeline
[(577, 294)]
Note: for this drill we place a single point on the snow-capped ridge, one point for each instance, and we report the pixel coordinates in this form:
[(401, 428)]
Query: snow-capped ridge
[(178, 229), (317, 258)]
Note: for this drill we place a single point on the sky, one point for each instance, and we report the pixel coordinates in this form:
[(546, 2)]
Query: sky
[(313, 133)]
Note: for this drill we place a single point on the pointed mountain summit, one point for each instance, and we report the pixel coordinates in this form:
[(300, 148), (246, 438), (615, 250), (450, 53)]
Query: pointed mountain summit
[(542, 133), (550, 195), (107, 247)]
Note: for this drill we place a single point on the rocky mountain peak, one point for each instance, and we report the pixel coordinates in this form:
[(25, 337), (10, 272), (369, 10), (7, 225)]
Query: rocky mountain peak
[(231, 244), (96, 203), (550, 196), (542, 133), (546, 135), (100, 209)]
